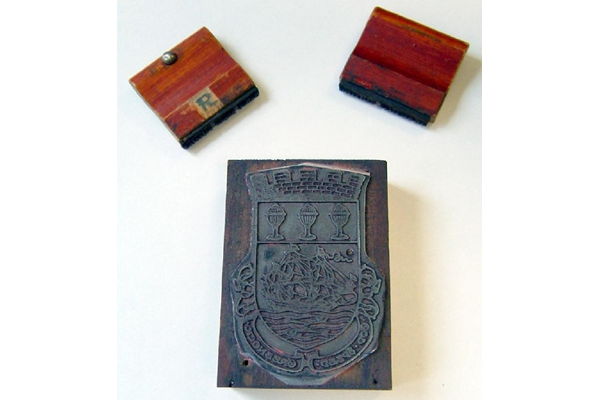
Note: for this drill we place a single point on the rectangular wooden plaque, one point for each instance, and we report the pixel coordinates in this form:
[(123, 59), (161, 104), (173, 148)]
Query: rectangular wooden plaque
[(305, 292)]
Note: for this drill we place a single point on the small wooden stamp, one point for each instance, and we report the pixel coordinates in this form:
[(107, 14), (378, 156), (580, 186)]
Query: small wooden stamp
[(403, 66), (194, 86), (305, 293)]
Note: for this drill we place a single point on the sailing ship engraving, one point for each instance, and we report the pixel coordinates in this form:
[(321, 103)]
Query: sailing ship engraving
[(309, 300)]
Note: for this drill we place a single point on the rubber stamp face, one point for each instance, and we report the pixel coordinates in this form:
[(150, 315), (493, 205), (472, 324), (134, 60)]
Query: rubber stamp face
[(307, 301)]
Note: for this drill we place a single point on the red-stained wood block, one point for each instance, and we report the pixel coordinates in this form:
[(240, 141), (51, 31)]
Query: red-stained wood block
[(194, 86), (403, 66)]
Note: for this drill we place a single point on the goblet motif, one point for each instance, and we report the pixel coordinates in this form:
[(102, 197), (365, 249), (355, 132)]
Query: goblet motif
[(307, 216), (339, 217), (275, 217)]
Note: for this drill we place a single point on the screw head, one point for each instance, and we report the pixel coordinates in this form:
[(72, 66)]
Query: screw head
[(169, 58)]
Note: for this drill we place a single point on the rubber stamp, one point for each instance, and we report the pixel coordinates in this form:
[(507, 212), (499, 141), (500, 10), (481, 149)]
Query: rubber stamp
[(194, 86), (305, 299), (403, 66)]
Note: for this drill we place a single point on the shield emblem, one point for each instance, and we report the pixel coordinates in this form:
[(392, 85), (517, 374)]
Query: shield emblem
[(308, 302)]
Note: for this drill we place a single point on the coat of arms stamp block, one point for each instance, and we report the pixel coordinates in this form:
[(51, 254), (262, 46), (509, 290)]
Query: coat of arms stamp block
[(305, 300)]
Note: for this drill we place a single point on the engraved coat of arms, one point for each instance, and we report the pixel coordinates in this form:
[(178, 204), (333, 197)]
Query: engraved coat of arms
[(307, 301)]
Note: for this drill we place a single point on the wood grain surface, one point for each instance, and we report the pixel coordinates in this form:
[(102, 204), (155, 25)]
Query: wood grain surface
[(202, 83), (405, 62)]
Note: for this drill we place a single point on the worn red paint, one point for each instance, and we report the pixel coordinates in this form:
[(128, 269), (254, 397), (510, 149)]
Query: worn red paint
[(405, 61), (201, 63)]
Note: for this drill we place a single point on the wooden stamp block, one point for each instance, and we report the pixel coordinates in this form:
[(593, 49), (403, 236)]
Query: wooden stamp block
[(403, 66), (194, 86), (305, 295)]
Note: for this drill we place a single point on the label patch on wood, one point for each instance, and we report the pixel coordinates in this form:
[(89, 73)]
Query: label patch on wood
[(206, 102)]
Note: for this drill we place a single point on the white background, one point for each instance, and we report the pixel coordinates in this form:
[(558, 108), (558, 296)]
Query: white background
[(172, 201)]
